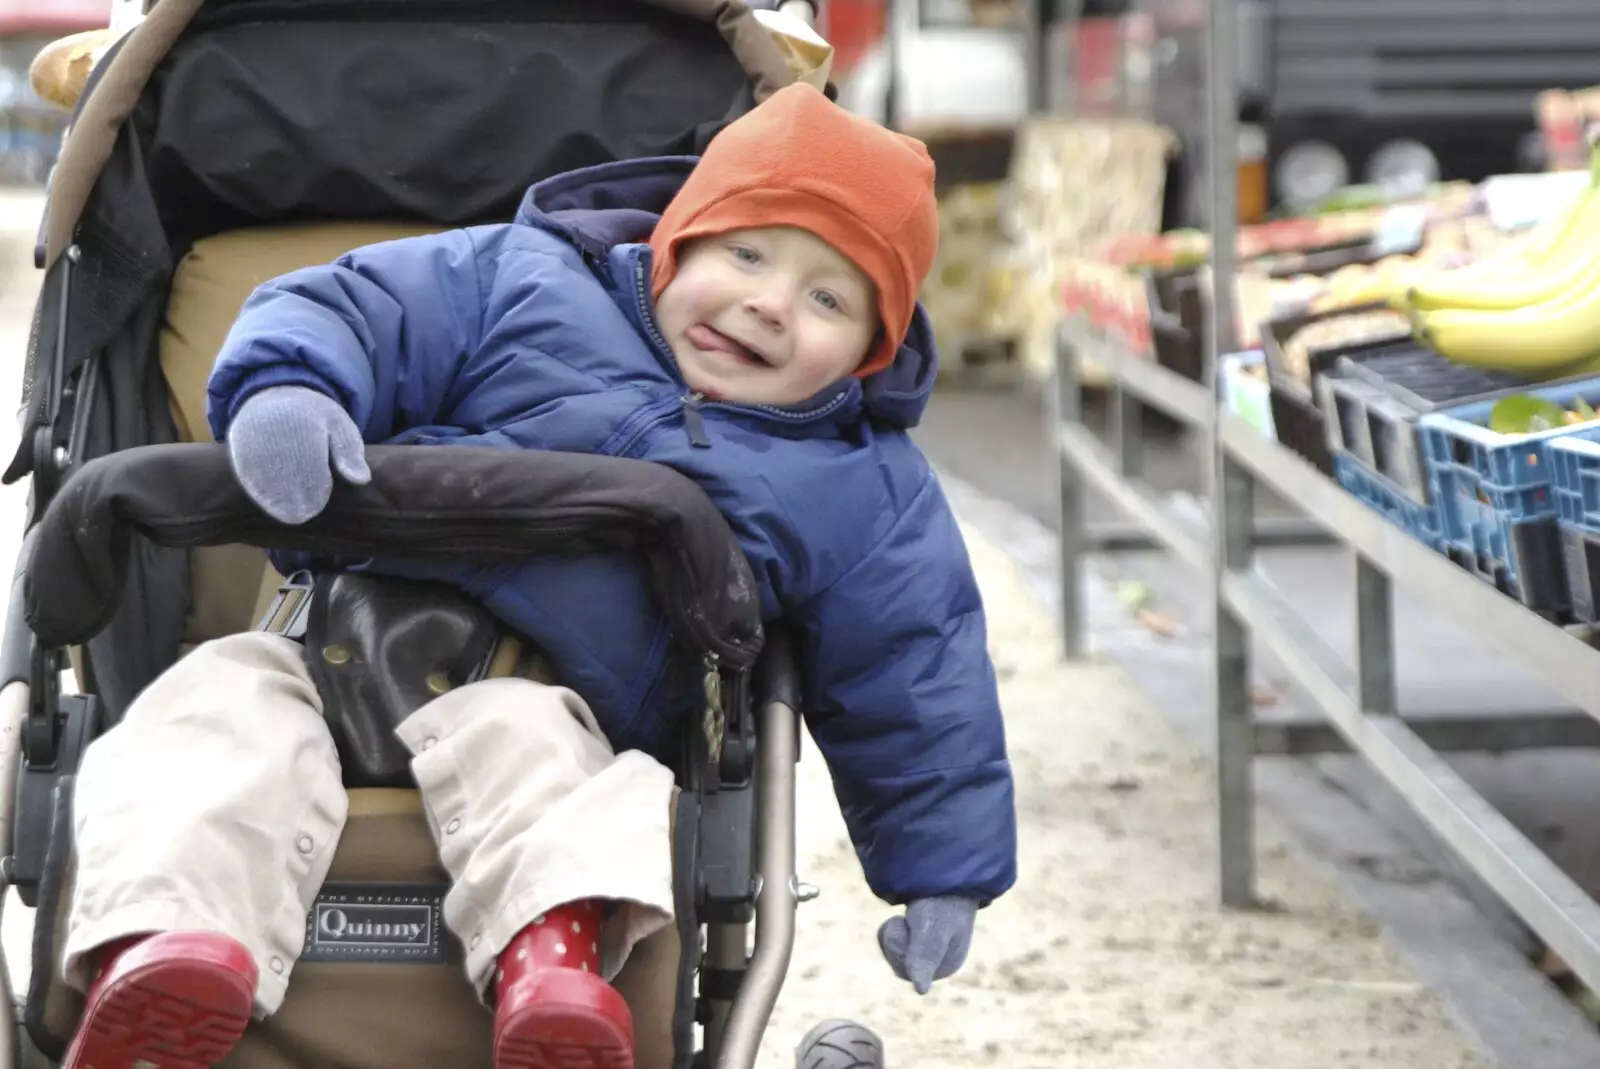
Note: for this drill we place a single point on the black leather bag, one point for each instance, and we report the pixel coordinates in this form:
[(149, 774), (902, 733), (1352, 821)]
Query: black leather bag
[(378, 650)]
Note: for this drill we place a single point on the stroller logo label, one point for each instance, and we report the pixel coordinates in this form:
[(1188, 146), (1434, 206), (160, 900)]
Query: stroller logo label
[(336, 924), (374, 923)]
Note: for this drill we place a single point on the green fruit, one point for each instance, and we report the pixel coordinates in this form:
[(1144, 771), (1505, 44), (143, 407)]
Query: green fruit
[(1524, 414)]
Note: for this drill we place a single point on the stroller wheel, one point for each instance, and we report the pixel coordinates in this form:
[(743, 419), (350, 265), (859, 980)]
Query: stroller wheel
[(839, 1045)]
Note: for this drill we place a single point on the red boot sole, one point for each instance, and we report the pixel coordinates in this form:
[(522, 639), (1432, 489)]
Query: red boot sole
[(564, 1019), (166, 1015)]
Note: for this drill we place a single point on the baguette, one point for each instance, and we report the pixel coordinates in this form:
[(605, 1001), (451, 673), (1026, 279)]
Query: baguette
[(61, 69)]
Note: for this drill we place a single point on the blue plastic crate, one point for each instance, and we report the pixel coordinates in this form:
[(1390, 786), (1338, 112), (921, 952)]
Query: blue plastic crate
[(1496, 495), (1371, 398), (1418, 520), (1575, 477), (1512, 471), (1366, 423), (1575, 486)]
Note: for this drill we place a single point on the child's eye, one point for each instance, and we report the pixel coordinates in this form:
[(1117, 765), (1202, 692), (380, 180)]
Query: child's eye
[(746, 254), (826, 299)]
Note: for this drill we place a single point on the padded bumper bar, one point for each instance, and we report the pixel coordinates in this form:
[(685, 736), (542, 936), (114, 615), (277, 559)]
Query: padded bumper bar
[(437, 503)]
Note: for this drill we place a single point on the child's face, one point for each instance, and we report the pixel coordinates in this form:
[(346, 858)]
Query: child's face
[(766, 316)]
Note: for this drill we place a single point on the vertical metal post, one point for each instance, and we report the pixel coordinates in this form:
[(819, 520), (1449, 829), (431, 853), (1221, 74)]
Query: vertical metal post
[(893, 51), (1374, 639), (1127, 436), (1033, 44), (1232, 505), (1071, 536)]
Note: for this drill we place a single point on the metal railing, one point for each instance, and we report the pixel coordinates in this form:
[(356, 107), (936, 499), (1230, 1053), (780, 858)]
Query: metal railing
[(1357, 701)]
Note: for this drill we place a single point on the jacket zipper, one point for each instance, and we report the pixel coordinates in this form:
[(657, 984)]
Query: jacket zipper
[(694, 402), (692, 423)]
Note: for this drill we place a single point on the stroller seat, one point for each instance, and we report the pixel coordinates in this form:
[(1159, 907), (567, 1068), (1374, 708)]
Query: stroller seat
[(209, 286), (181, 189)]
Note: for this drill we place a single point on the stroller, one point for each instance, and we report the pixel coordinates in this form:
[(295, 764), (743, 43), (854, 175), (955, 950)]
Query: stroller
[(221, 144)]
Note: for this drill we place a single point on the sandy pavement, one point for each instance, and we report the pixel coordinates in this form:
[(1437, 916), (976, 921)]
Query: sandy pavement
[(1111, 953)]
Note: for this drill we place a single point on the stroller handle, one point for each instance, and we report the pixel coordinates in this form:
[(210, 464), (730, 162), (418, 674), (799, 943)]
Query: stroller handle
[(439, 503)]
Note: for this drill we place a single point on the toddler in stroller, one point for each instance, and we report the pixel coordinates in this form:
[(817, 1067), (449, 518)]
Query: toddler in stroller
[(748, 320)]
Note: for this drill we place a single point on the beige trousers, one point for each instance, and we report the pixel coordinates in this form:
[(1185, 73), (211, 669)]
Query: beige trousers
[(216, 805)]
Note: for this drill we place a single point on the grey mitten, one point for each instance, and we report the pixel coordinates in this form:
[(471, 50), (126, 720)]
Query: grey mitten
[(285, 444), (931, 941)]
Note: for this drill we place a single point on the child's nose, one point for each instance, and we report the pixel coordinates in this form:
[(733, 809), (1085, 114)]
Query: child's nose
[(771, 307)]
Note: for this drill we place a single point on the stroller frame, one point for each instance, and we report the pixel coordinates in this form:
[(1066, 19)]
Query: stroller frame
[(737, 863)]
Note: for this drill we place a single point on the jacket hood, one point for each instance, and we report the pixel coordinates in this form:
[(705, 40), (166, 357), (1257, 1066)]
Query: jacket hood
[(598, 208)]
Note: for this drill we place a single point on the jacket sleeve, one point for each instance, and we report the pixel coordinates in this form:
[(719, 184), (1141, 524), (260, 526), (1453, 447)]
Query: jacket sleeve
[(901, 699), (384, 330)]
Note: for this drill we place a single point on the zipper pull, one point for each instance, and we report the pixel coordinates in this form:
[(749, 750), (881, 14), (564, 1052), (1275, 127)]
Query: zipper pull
[(692, 423)]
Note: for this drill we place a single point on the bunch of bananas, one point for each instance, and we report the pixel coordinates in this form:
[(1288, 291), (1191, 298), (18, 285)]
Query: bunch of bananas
[(1532, 308)]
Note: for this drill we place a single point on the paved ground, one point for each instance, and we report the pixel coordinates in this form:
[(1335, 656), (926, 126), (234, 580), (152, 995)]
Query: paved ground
[(1112, 952)]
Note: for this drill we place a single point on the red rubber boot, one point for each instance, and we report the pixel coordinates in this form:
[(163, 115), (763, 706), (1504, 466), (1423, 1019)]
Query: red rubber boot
[(174, 1000), (552, 1009)]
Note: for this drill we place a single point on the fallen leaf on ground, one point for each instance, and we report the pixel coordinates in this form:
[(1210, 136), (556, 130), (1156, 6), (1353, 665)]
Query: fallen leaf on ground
[(1133, 594), (1157, 623)]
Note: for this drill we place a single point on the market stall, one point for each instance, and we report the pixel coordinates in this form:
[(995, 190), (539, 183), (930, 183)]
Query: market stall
[(1421, 379), (1024, 191)]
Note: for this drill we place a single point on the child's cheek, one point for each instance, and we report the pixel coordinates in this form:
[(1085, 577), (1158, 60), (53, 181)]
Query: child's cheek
[(704, 291)]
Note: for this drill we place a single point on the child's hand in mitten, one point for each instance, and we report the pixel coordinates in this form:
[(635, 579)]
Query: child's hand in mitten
[(931, 941), (285, 444)]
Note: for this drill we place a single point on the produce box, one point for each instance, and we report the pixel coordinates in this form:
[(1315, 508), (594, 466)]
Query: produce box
[(1494, 482), (1296, 355), (1575, 486), (1374, 394), (1177, 321), (1370, 401), (1291, 342), (1420, 521), (1179, 303)]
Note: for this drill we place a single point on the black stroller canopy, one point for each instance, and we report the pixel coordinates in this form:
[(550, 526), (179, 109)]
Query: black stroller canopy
[(249, 112)]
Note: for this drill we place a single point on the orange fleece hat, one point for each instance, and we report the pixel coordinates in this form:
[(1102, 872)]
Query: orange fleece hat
[(800, 160)]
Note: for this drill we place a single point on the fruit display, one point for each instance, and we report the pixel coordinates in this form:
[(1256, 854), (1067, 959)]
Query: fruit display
[(1531, 309), (1446, 267), (1273, 246), (1523, 413), (1111, 298), (1078, 182), (1455, 232), (1074, 183)]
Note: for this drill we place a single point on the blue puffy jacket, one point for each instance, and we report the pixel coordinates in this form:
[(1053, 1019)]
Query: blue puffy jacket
[(540, 335)]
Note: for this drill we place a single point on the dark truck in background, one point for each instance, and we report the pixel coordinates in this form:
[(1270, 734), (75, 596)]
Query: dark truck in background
[(1339, 92)]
